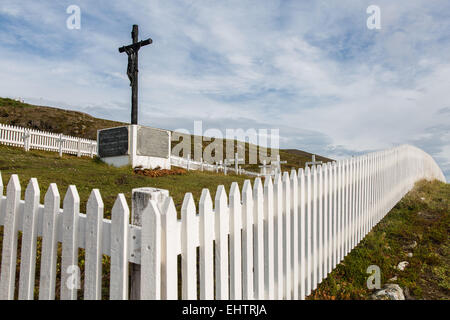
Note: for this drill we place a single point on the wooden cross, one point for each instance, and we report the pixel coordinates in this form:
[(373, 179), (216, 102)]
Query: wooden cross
[(26, 139), (264, 167), (61, 141), (132, 71), (278, 163), (313, 162), (226, 163), (236, 162)]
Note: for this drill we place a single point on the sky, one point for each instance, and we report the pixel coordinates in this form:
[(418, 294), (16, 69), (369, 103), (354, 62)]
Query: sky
[(312, 69)]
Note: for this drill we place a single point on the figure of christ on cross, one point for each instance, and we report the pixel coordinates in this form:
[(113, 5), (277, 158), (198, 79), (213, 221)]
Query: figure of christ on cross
[(132, 70)]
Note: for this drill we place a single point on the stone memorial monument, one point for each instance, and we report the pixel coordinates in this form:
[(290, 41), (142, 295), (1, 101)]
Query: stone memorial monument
[(136, 146), (133, 144)]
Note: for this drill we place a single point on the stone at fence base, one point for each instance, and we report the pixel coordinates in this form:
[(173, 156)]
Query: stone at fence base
[(402, 265), (393, 279), (412, 245), (389, 292)]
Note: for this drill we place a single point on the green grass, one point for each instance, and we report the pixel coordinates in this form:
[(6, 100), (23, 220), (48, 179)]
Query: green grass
[(423, 215), (87, 174)]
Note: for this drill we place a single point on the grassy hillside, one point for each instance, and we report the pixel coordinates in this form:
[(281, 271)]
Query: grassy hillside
[(80, 124), (55, 120), (418, 224)]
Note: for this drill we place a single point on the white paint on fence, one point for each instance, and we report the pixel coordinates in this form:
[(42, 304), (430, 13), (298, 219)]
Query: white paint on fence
[(235, 243), (206, 246), (267, 246), (69, 244), (93, 255), (120, 217), (41, 140), (9, 249), (29, 240), (221, 228), (49, 244)]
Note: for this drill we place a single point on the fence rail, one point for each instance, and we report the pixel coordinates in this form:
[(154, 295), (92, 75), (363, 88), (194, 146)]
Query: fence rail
[(41, 140), (190, 164), (273, 240)]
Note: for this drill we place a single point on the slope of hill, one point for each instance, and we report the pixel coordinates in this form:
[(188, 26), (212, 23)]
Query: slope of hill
[(416, 230), (80, 124), (51, 119)]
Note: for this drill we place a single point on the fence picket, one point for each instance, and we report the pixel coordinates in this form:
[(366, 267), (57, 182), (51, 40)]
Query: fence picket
[(29, 239), (69, 259), (235, 243), (314, 220), (93, 256), (49, 244), (287, 236), (247, 241), (258, 239), (294, 235), (169, 271), (206, 217), (120, 218), (302, 234), (325, 209), (269, 270), (221, 228), (308, 231), (188, 255), (9, 248), (335, 208), (278, 236), (320, 224), (151, 253)]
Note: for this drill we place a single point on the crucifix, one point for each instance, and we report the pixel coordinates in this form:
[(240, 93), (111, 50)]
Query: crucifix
[(313, 162), (132, 70)]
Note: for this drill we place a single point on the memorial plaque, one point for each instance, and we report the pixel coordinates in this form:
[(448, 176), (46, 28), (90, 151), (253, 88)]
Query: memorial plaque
[(153, 142), (113, 142)]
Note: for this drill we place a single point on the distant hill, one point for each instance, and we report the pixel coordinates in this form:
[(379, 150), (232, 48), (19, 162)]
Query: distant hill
[(73, 123), (83, 125)]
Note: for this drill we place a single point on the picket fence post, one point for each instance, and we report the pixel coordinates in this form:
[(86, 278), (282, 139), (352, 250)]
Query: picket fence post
[(69, 258), (120, 215), (206, 231), (9, 249), (140, 201), (29, 240)]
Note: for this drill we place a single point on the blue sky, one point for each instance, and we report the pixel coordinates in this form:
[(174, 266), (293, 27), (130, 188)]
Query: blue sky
[(309, 68)]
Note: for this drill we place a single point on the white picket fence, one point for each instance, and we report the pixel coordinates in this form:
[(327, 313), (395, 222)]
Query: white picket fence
[(41, 140), (190, 164), (276, 240)]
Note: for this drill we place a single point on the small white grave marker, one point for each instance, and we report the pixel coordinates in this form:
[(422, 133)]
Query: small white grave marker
[(313, 162)]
